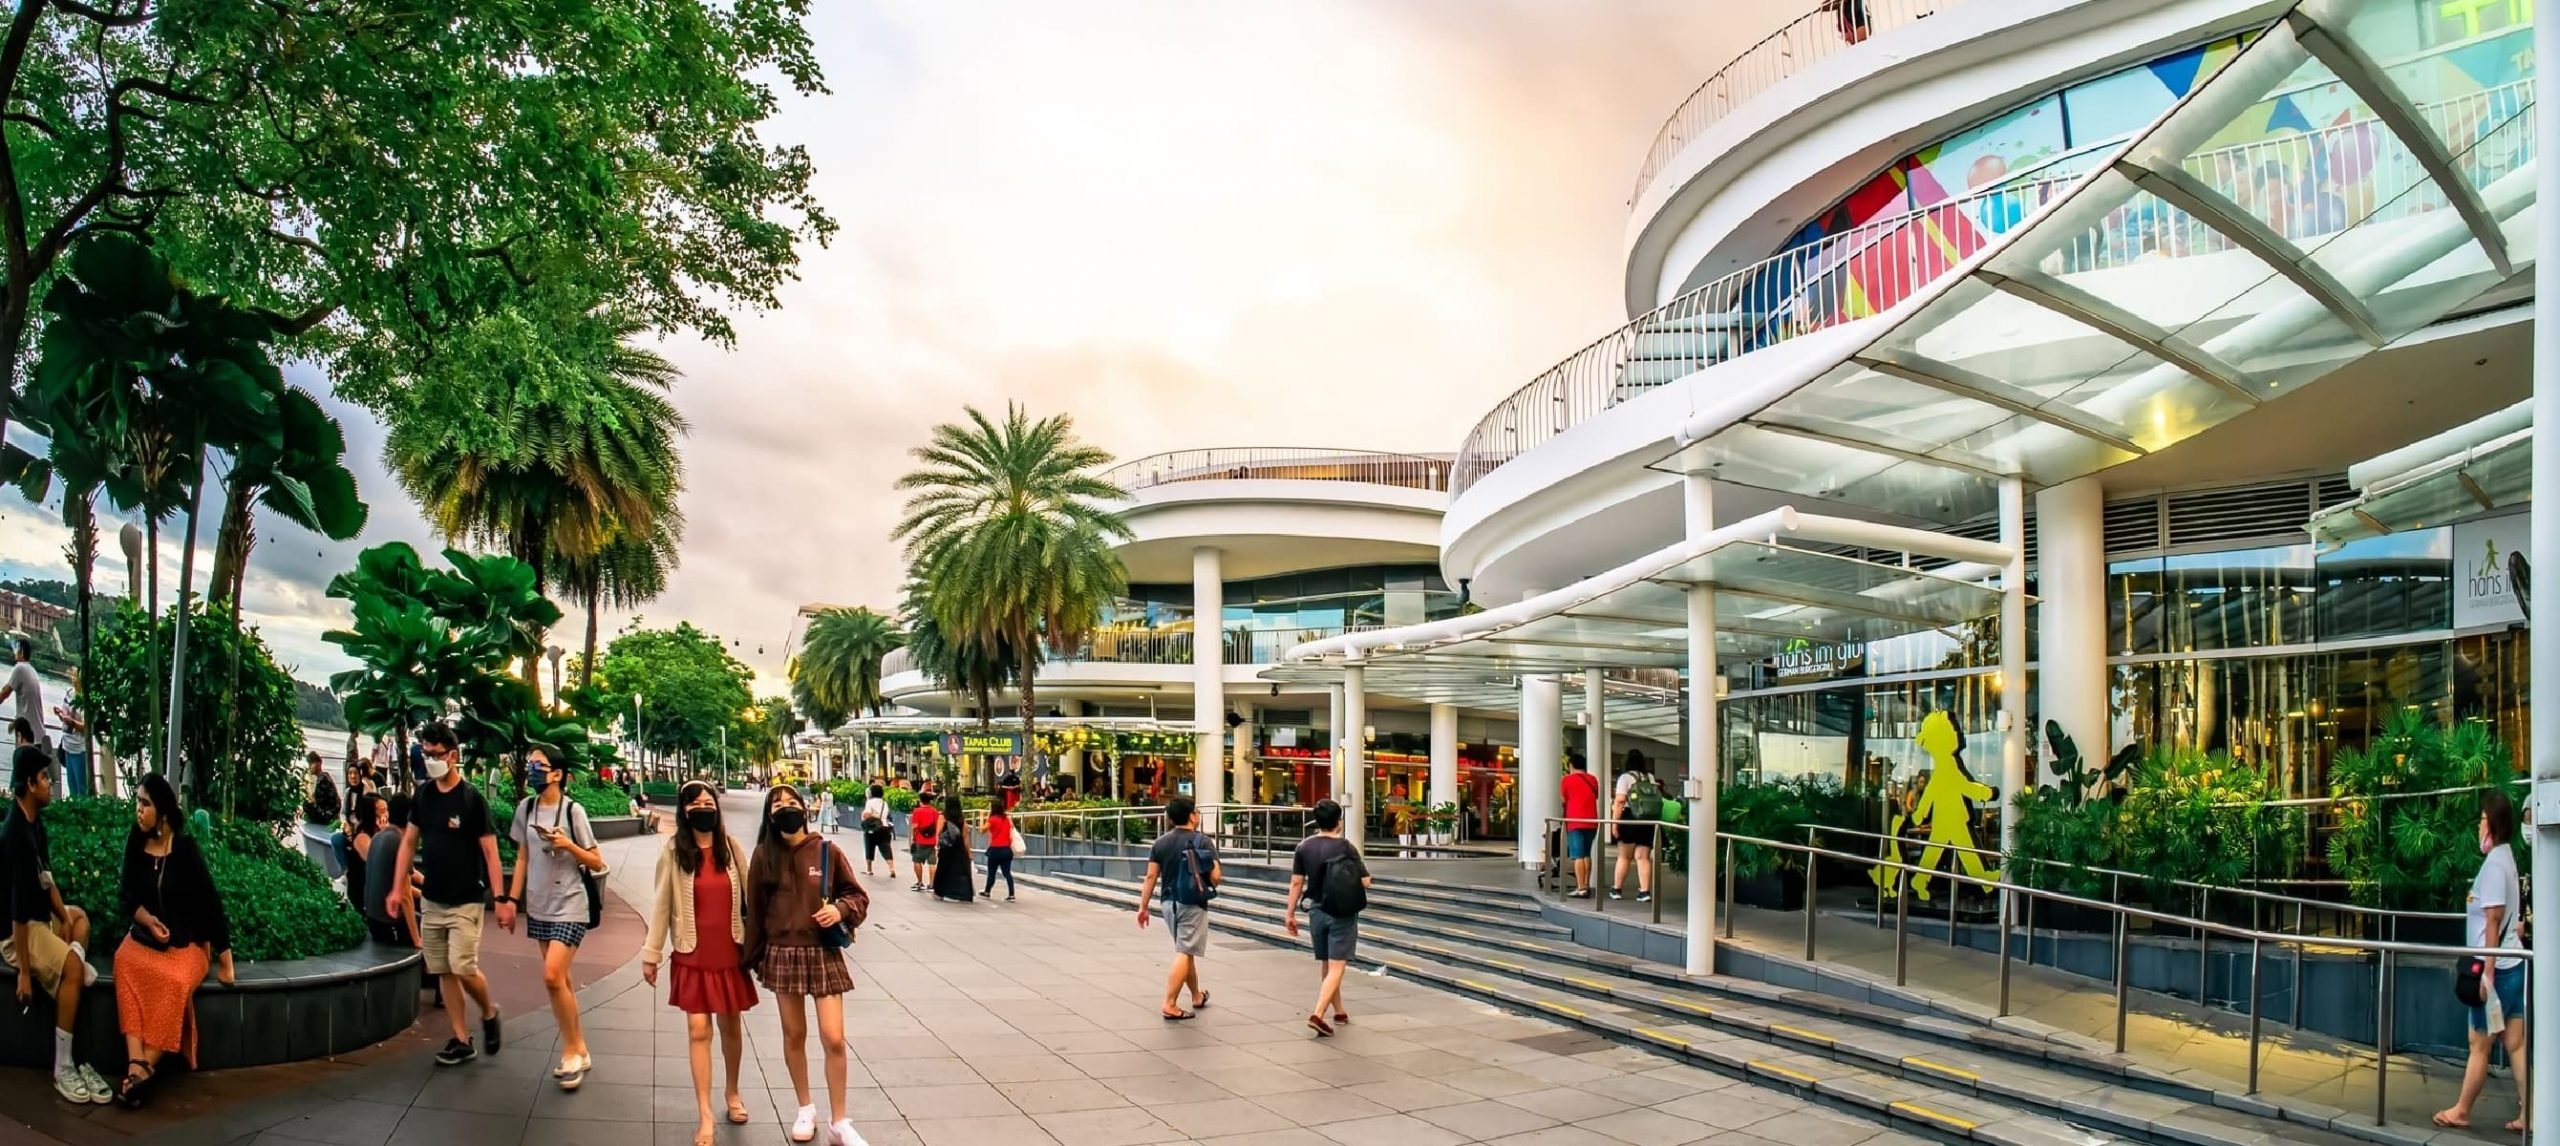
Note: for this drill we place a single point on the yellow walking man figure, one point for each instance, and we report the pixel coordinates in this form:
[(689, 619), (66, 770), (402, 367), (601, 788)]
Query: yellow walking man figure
[(1945, 804)]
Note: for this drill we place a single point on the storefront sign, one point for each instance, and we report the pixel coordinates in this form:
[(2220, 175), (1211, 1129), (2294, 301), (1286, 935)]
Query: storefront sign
[(2489, 570), (982, 744), (1284, 737), (1805, 660)]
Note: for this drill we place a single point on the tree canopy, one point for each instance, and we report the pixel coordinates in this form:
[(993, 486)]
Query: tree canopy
[(690, 688)]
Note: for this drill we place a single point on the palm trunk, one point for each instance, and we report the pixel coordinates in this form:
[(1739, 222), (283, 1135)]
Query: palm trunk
[(1030, 668), (231, 542), (587, 667), (189, 782), (531, 544), (151, 566), (79, 511)]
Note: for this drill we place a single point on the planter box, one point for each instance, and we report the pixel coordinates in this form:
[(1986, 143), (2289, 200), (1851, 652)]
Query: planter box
[(278, 1012), (615, 827), (1776, 890)]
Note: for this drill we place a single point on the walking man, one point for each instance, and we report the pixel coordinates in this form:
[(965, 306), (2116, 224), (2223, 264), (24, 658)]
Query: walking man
[(453, 845), (25, 688), (1581, 821), (47, 937), (1331, 878), (1187, 862)]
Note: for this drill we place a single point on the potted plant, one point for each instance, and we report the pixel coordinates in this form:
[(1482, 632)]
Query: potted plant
[(1768, 810), (1443, 821)]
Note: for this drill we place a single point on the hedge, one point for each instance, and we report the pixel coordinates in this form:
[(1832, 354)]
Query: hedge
[(280, 904)]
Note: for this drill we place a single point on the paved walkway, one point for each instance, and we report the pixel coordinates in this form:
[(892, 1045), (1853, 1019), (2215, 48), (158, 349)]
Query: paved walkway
[(1034, 1022)]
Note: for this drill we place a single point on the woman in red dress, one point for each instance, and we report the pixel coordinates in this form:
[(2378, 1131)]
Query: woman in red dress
[(700, 910)]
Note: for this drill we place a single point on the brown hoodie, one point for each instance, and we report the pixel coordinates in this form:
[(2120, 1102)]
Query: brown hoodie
[(782, 894)]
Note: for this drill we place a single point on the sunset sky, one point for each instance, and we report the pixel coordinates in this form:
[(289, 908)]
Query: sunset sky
[(1188, 225)]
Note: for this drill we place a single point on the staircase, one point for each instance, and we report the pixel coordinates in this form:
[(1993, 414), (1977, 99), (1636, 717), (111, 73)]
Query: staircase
[(1942, 1076)]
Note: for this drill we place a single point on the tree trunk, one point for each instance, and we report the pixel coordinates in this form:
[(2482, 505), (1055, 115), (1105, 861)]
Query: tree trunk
[(151, 566), (188, 781), (1030, 668), (531, 544), (231, 542), (587, 666), (80, 512)]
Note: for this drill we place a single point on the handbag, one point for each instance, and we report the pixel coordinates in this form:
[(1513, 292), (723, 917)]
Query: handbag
[(840, 935)]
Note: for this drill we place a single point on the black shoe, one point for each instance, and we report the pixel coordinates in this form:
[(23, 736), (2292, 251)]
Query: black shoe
[(1643, 897), (455, 1053), (489, 1032)]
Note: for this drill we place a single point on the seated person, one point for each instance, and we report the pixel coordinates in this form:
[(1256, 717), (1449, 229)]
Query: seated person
[(47, 937), (178, 930)]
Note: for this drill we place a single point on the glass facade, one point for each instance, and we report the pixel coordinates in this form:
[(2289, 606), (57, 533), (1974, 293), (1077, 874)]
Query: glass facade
[(1264, 616)]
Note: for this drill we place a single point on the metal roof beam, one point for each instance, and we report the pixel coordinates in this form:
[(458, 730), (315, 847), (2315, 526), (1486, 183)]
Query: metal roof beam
[(2187, 193), (2071, 302), (1949, 378), (2364, 77)]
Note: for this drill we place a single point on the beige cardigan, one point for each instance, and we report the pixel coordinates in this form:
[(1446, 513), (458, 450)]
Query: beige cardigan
[(673, 910)]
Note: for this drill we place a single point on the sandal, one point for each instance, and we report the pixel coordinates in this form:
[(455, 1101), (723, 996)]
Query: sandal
[(702, 1135), (1177, 1016), (1201, 1003), (1341, 1018), (129, 1088), (737, 1111), (1317, 1024), (2448, 1120)]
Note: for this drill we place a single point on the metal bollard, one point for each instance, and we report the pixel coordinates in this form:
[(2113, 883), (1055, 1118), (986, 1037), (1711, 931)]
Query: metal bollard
[(2297, 967), (2382, 1042), (2006, 899), (1812, 904), (1653, 861), (2204, 949), (1955, 894), (1728, 889), (2031, 926), (2256, 994), (2123, 964), (1901, 923)]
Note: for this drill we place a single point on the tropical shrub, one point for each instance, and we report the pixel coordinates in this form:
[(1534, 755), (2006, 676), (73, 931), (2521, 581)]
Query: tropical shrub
[(2416, 853), (239, 745), (901, 800), (2182, 816), (279, 903)]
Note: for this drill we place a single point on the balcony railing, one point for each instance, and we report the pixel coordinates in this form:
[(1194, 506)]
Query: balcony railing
[(1867, 270), (1282, 463), (1162, 647), (1832, 27)]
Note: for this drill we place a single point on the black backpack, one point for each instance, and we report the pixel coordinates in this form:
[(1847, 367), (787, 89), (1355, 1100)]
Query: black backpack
[(1338, 888), (1188, 884)]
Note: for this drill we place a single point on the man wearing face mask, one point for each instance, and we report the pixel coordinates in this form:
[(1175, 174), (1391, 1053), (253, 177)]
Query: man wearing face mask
[(451, 842)]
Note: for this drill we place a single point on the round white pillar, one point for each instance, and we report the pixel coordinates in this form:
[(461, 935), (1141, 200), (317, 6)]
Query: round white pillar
[(1444, 754), (2543, 688), (1334, 755), (2071, 617), (1541, 764), (1208, 680), (1355, 757), (1241, 786), (1705, 758), (2013, 659)]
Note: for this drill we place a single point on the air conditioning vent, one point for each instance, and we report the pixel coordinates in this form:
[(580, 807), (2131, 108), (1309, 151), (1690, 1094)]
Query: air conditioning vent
[(1301, 717), (2133, 526), (2334, 490), (2273, 512)]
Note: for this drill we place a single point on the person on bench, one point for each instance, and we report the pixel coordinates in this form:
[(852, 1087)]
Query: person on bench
[(48, 938), (178, 930)]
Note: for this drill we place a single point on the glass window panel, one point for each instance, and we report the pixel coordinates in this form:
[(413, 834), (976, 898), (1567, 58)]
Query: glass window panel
[(2385, 586), (2135, 601), (2239, 599)]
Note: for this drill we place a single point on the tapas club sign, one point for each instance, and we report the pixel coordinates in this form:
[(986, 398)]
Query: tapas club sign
[(982, 744)]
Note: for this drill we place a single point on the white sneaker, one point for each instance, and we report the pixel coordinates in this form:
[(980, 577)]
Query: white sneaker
[(842, 1131), (804, 1125), (72, 1087), (97, 1085)]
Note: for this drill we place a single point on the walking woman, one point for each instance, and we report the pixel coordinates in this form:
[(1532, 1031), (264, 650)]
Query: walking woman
[(802, 906), (999, 851), (555, 856), (178, 928), (877, 837), (700, 910), (951, 871)]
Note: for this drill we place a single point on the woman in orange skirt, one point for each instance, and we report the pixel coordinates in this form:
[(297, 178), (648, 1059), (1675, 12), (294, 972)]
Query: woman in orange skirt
[(178, 928)]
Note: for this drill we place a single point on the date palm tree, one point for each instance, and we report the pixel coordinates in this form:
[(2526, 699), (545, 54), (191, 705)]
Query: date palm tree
[(628, 571), (1013, 531), (839, 661), (545, 448), (960, 665)]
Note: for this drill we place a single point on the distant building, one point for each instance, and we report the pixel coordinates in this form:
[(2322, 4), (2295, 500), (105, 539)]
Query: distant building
[(20, 613)]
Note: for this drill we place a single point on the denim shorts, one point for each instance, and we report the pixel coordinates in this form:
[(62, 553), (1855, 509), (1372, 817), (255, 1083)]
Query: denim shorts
[(2510, 984), (1577, 842)]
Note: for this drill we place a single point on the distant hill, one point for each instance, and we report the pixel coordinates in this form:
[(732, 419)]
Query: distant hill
[(317, 706)]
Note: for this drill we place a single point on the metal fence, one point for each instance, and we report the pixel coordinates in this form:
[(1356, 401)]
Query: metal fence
[(1282, 463), (1831, 28)]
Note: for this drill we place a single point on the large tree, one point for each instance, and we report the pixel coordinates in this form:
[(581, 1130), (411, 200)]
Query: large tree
[(384, 173), (688, 685), (1012, 530)]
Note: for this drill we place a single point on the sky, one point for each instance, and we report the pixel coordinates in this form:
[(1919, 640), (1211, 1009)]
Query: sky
[(1286, 223)]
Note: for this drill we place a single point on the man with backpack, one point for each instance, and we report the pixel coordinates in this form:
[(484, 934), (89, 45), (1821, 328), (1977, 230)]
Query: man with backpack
[(1639, 798), (1329, 876), (1187, 862)]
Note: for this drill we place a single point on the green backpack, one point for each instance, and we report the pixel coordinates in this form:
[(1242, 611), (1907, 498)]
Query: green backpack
[(1644, 801)]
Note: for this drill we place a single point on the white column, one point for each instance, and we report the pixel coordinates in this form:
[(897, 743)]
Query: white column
[(1444, 754), (2071, 616), (2013, 658), (1705, 760), (1333, 735), (1241, 789), (1541, 764), (1355, 757), (1208, 680), (1595, 721), (2544, 691)]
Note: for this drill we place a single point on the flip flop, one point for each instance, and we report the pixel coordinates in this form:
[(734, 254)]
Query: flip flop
[(2444, 1119), (1317, 1024), (737, 1112), (2517, 1127), (1179, 1016), (1201, 1003)]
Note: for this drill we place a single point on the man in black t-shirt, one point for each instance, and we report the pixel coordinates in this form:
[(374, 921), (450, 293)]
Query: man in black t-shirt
[(1335, 932), (453, 845), (47, 937)]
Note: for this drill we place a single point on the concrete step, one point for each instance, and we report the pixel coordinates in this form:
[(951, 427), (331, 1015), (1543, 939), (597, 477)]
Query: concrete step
[(1417, 911), (1508, 901), (2097, 1091)]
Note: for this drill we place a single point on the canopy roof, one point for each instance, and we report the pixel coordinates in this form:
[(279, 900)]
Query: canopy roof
[(2188, 280)]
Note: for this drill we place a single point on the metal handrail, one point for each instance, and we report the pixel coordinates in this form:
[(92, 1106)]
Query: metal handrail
[(1163, 647), (1832, 27), (1868, 269), (1282, 463)]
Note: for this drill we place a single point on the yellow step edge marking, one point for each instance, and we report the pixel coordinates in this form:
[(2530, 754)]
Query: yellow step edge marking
[(1692, 1008), (1473, 984), (1788, 1073), (1560, 1008), (1801, 1033), (1594, 984), (1925, 1114), (1660, 1037), (1508, 965), (1941, 1068)]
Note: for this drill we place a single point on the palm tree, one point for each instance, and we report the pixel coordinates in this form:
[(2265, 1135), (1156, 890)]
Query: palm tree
[(628, 571), (839, 661), (544, 446), (957, 664), (1013, 532)]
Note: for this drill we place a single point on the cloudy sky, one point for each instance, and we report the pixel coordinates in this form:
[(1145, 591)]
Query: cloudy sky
[(1293, 222)]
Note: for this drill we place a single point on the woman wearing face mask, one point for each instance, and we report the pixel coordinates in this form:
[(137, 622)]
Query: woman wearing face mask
[(555, 852), (178, 927), (700, 910), (799, 890)]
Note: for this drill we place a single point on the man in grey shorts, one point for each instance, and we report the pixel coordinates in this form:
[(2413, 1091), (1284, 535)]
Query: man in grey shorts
[(1334, 899), (1187, 862)]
